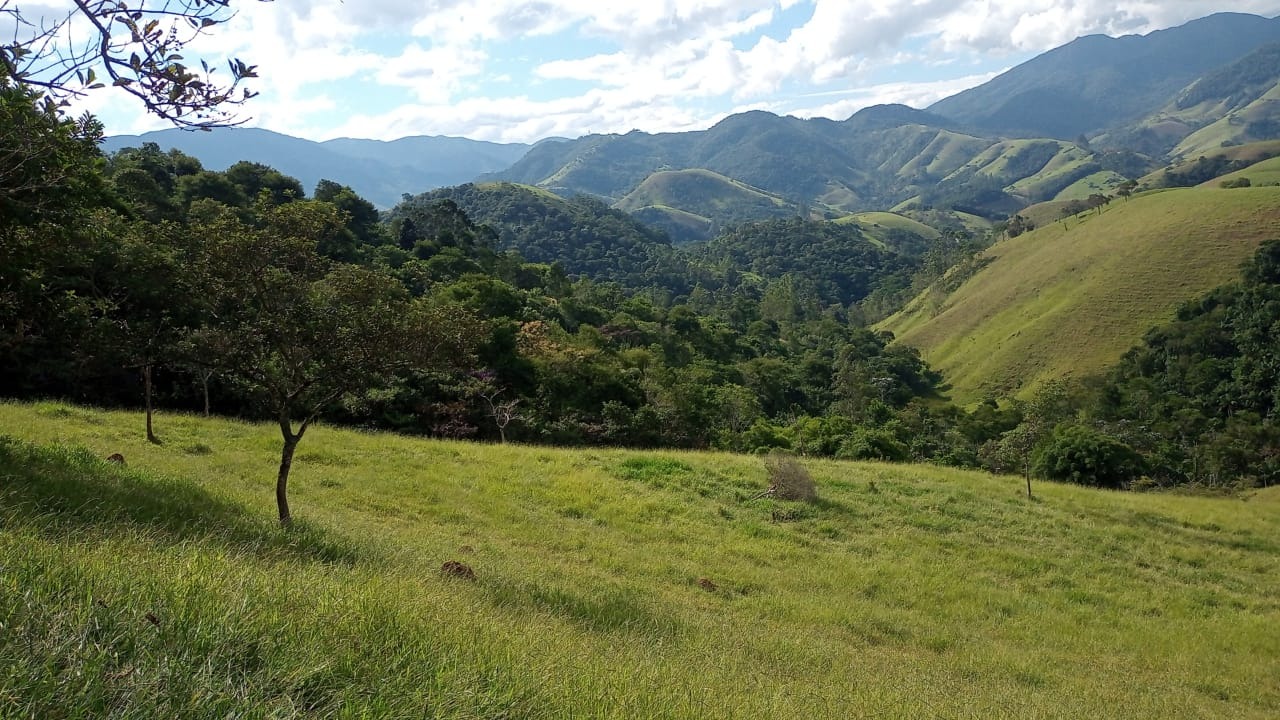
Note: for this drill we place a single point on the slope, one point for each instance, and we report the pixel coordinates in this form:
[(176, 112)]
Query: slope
[(609, 584), (1098, 82), (1266, 172), (717, 199), (1069, 298)]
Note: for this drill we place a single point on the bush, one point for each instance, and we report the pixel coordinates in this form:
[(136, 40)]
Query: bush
[(866, 443), (1237, 183), (1086, 457), (788, 479)]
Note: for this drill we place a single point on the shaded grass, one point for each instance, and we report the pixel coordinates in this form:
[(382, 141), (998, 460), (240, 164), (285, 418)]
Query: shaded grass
[(903, 592)]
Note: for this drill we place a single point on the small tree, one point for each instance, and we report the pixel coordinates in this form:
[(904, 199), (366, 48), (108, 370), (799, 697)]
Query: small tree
[(301, 332)]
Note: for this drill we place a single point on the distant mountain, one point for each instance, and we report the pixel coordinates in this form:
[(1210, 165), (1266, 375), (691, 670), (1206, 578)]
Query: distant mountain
[(757, 165), (381, 172), (1099, 82)]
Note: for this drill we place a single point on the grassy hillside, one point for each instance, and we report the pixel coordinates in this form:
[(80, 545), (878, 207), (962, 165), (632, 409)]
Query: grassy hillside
[(1072, 296), (1238, 156), (1266, 172), (608, 584), (701, 194), (876, 225), (1255, 121)]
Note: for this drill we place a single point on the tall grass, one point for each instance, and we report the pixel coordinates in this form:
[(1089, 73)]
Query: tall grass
[(165, 589)]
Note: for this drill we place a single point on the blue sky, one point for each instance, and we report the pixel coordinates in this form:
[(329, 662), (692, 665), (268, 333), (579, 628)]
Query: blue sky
[(520, 70)]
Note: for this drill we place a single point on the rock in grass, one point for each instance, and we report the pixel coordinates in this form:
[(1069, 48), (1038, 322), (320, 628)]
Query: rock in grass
[(116, 458), (455, 569)]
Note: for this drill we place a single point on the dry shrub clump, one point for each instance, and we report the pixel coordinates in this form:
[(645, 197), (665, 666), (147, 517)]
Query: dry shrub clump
[(788, 479)]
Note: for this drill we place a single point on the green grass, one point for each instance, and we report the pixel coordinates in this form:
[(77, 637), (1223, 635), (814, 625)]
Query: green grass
[(877, 224), (1232, 128), (1251, 153), (701, 192), (164, 589), (1266, 172), (1104, 183), (1069, 298)]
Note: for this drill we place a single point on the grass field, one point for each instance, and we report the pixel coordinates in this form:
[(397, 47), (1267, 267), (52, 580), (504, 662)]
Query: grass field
[(609, 583), (1072, 296)]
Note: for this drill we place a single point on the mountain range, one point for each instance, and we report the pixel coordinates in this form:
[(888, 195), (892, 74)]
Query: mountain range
[(380, 171), (1075, 121)]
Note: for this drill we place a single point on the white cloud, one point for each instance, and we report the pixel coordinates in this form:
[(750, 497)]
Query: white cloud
[(668, 64)]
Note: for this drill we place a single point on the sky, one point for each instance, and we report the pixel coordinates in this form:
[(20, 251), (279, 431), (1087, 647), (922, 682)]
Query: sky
[(523, 70)]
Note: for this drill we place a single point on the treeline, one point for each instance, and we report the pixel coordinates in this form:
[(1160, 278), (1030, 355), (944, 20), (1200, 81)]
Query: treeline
[(144, 278)]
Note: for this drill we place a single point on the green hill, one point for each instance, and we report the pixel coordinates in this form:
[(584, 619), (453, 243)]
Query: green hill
[(1072, 296), (584, 235), (608, 584), (1211, 165), (704, 194), (1266, 172), (881, 226)]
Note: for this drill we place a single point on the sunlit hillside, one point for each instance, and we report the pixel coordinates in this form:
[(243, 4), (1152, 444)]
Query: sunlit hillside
[(608, 583), (1071, 297)]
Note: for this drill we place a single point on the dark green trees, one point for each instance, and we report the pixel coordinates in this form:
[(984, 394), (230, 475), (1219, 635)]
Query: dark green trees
[(1083, 456), (303, 333)]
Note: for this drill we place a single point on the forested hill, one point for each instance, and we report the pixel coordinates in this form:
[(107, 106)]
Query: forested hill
[(581, 234)]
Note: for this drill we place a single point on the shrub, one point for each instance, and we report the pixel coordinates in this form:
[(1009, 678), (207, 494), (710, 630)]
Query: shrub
[(1237, 183), (788, 479), (1087, 457), (866, 443)]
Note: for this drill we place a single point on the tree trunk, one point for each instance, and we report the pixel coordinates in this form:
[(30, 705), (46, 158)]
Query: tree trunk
[(282, 480), (146, 385), (1026, 470), (204, 384)]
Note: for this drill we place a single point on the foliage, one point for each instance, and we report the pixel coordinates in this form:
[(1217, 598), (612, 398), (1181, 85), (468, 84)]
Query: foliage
[(580, 234), (138, 44), (1199, 397), (1087, 457), (837, 261)]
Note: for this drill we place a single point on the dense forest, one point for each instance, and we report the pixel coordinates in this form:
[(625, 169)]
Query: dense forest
[(502, 313)]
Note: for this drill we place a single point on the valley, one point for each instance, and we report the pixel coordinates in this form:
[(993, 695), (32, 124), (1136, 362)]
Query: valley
[(963, 410)]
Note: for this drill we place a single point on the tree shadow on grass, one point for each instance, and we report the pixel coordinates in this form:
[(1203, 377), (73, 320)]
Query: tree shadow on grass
[(64, 490), (606, 610)]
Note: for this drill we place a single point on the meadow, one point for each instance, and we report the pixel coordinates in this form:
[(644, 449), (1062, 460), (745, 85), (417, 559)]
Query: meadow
[(609, 584), (1070, 297)]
